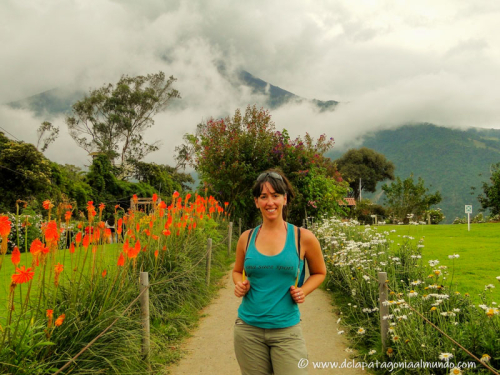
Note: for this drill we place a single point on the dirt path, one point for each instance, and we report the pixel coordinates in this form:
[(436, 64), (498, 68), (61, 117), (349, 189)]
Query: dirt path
[(210, 349)]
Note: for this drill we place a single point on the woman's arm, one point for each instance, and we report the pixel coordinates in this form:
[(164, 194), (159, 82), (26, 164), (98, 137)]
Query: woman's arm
[(240, 287), (316, 263)]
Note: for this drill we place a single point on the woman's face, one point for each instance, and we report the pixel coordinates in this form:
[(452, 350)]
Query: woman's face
[(270, 202)]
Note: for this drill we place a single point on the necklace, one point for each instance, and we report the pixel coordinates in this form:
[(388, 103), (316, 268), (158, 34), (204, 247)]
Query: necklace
[(284, 223)]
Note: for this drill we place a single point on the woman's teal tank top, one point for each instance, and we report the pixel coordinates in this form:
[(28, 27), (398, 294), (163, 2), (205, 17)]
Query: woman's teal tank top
[(268, 303)]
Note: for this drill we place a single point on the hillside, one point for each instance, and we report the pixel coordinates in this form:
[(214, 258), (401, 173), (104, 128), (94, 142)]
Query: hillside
[(449, 160)]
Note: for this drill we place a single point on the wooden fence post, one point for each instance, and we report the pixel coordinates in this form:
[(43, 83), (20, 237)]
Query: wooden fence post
[(239, 231), (144, 284), (229, 236), (383, 308), (209, 260)]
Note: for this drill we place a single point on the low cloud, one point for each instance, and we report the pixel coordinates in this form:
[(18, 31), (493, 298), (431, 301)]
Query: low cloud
[(388, 66)]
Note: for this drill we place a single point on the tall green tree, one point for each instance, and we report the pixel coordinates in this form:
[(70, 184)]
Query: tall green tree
[(490, 198), (162, 177), (230, 153), (407, 197), (367, 166), (112, 119)]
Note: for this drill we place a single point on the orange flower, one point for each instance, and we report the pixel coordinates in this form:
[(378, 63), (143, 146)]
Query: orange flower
[(51, 232), (121, 260), (176, 194), (16, 256), (59, 268), (4, 226), (162, 205), (155, 237), (134, 198), (60, 320), (47, 204), (166, 232), (104, 273), (50, 315), (23, 276), (101, 207), (72, 248), (226, 204), (67, 216), (86, 241), (119, 226), (155, 197), (36, 247), (78, 238)]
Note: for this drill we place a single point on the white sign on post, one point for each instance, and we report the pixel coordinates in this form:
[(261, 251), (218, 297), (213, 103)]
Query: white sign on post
[(468, 211)]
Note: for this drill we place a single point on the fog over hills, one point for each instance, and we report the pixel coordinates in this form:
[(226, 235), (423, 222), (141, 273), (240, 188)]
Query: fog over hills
[(449, 160)]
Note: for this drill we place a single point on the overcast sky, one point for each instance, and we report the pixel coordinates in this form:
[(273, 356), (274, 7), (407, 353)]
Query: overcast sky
[(387, 62)]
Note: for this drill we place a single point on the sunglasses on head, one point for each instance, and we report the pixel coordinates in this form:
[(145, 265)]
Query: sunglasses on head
[(274, 175)]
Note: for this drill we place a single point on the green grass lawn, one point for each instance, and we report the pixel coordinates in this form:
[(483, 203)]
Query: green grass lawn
[(479, 251), (108, 258)]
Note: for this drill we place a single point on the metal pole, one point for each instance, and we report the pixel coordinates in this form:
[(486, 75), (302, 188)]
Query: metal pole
[(229, 235), (468, 221), (209, 260), (144, 284), (384, 309)]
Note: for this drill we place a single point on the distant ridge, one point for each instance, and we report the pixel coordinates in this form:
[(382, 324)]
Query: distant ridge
[(449, 160)]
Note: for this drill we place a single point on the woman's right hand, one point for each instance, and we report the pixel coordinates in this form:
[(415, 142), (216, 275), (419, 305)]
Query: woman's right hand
[(241, 288)]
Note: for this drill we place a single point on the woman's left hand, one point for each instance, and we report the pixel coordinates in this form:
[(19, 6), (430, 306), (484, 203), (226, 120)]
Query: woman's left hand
[(298, 294)]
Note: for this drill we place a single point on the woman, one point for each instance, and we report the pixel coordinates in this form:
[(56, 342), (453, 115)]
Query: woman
[(267, 334)]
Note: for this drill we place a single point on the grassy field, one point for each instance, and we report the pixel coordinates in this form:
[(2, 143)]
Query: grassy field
[(479, 251), (108, 258)]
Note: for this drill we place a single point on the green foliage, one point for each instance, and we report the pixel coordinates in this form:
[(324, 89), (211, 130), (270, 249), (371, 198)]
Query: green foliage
[(25, 173), (107, 188), (405, 198), (230, 153), (162, 177), (491, 197), (436, 215), (50, 132), (367, 165), (25, 228), (365, 208), (112, 119)]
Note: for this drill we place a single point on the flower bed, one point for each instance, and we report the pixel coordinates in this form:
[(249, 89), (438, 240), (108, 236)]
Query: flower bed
[(354, 256)]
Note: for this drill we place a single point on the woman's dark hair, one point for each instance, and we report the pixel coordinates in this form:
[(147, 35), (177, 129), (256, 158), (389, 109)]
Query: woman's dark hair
[(111, 221), (278, 182)]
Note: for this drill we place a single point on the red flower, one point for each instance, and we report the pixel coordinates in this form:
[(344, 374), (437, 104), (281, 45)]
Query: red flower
[(155, 197), (23, 276), (156, 254), (121, 260), (67, 216), (72, 248), (176, 194), (86, 241), (162, 205), (166, 232), (16, 256), (101, 207), (134, 198), (50, 313), (78, 238), (104, 273), (36, 247), (226, 204), (51, 233), (4, 226), (119, 226)]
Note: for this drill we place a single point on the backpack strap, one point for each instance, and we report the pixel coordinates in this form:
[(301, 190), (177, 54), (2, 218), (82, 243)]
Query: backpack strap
[(248, 240)]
